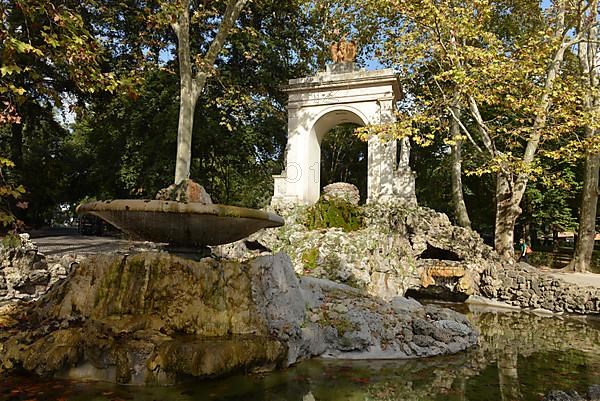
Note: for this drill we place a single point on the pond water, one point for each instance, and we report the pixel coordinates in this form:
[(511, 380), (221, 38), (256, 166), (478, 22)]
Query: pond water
[(521, 356)]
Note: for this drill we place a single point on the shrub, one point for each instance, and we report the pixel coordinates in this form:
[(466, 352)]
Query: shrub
[(334, 213)]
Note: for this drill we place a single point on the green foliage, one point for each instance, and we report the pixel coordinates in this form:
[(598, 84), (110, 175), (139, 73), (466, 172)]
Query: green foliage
[(11, 241), (334, 213), (10, 194), (490, 58), (45, 162), (550, 205), (123, 146), (52, 60), (344, 158), (47, 49)]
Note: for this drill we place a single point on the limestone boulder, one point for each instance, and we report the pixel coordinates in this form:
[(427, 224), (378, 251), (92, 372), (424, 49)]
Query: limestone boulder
[(358, 326), (186, 191), (25, 273), (342, 191), (155, 318)]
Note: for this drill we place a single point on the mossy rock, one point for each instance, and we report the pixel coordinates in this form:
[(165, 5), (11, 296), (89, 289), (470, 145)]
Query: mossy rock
[(309, 258), (334, 213)]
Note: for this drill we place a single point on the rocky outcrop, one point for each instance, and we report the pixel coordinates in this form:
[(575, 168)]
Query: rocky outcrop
[(155, 318), (342, 191), (398, 247), (25, 274), (526, 287), (401, 250), (592, 394), (356, 326), (186, 191)]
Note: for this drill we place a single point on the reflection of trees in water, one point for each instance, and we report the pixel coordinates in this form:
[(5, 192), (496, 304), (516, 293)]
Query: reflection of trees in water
[(528, 333), (513, 339), (520, 356)]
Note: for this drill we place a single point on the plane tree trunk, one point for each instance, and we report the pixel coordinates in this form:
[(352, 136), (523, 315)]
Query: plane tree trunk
[(587, 55), (192, 82), (460, 209)]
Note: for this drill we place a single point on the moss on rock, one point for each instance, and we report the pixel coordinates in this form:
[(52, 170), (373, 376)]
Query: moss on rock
[(334, 213), (309, 258), (118, 313)]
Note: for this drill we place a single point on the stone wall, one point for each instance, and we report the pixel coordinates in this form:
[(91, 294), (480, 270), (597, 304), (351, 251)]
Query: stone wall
[(524, 286)]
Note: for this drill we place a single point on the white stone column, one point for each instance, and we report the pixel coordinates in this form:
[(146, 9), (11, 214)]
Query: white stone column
[(289, 186), (404, 177), (382, 158), (373, 167), (404, 153)]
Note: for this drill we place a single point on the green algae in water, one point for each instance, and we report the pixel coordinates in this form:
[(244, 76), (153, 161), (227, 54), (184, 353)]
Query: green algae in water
[(521, 357)]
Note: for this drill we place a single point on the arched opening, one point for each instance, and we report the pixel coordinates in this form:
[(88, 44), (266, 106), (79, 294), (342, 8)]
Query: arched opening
[(344, 158), (336, 153)]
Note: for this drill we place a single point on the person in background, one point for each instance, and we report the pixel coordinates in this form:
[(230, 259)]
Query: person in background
[(523, 256)]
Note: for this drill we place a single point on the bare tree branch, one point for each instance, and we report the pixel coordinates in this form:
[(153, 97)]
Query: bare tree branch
[(485, 136), (464, 129), (232, 12)]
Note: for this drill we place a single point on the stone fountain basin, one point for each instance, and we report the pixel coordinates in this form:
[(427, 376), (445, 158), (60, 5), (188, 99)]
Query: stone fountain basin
[(181, 224)]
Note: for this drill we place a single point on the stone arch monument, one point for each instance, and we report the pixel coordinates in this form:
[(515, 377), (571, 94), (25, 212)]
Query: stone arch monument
[(342, 94)]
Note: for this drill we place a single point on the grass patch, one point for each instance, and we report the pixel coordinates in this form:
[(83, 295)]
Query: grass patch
[(309, 258)]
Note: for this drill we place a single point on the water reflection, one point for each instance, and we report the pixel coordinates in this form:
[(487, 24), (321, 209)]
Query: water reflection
[(521, 357)]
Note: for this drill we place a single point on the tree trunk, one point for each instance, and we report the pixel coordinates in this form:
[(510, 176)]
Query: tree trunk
[(187, 106), (507, 211), (191, 86), (460, 209), (587, 54), (186, 100), (587, 220)]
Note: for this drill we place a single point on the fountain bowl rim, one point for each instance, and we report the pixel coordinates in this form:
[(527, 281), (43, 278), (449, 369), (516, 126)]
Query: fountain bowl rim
[(167, 206)]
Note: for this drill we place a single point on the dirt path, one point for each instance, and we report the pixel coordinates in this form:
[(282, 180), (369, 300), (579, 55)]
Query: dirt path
[(580, 279)]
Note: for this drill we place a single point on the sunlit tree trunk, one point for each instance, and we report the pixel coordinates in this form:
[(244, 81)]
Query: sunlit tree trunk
[(506, 215), (588, 57), (193, 83), (187, 96), (460, 209), (509, 190), (587, 220)]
